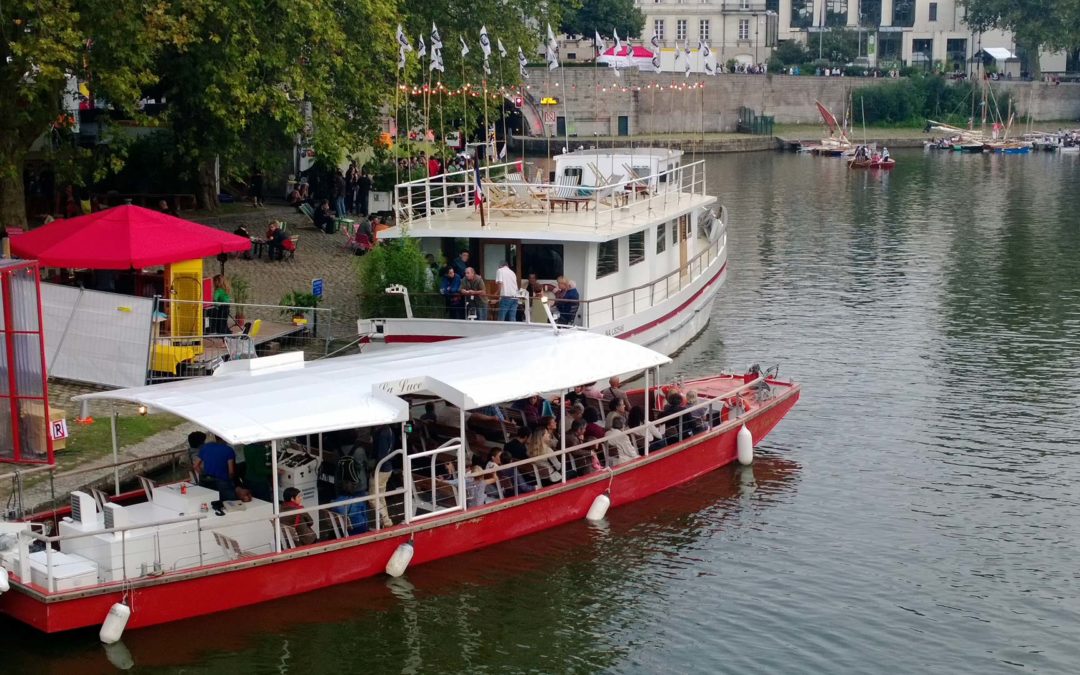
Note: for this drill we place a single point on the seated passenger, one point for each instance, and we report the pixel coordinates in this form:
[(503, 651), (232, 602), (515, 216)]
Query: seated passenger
[(593, 430), (477, 483), (615, 393), (303, 523), (548, 467), (675, 429), (697, 417), (618, 409), (583, 461), (576, 396), (648, 435), (510, 481), (620, 443), (532, 409)]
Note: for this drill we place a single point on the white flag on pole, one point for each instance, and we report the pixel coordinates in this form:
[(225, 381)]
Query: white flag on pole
[(598, 43), (522, 62), (485, 42), (436, 60), (464, 47), (421, 48), (402, 40), (401, 58), (436, 39), (502, 50)]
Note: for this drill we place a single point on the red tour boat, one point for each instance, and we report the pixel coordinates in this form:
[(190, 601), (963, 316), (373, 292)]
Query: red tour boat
[(170, 552)]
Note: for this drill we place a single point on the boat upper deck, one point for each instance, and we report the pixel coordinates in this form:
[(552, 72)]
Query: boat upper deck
[(585, 206)]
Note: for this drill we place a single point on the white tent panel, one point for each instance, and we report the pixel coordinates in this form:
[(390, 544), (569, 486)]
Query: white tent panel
[(285, 397)]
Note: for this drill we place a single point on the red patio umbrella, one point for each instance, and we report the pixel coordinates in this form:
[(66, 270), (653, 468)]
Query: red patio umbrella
[(123, 237)]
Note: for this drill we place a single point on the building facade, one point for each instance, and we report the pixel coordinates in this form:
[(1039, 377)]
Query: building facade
[(893, 33)]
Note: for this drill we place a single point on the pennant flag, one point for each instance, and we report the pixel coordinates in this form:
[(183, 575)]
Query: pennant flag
[(686, 59), (550, 34), (477, 186), (502, 50), (421, 49), (618, 43), (655, 42), (502, 152), (703, 47), (487, 67), (598, 44), (522, 62), (464, 47), (436, 60), (436, 39), (401, 59), (656, 62), (485, 42), (402, 40), (710, 69), (552, 58)]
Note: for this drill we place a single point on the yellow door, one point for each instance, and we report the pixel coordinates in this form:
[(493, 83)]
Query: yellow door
[(684, 231), (184, 284)]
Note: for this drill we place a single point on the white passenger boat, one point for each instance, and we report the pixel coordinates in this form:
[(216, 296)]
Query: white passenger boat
[(633, 228)]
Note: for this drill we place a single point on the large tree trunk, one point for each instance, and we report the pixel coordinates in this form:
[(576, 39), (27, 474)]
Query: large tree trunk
[(206, 186), (12, 197)]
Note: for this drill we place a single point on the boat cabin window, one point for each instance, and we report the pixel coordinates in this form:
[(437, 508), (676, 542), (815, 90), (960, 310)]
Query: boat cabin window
[(573, 172), (496, 252), (642, 171), (543, 260), (607, 258), (637, 247), (661, 238), (674, 233)]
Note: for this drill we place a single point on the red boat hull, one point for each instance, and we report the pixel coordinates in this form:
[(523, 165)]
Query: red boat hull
[(227, 586)]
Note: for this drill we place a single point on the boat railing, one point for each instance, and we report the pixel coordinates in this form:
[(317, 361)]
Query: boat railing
[(591, 312), (507, 193), (702, 417)]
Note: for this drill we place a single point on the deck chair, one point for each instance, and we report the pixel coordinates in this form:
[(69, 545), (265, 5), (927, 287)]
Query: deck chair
[(339, 524), (100, 498), (528, 195), (147, 486), (638, 183), (289, 536), (567, 191), (308, 211), (242, 345)]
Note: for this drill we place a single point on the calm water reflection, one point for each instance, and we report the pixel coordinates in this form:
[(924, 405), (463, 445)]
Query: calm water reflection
[(918, 511)]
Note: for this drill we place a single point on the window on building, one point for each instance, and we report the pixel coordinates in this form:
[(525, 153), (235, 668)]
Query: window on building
[(802, 14), (661, 238), (772, 6), (637, 247), (922, 53), (870, 14), (903, 13), (658, 28), (836, 13), (744, 29), (956, 54), (889, 47), (744, 4), (680, 30), (703, 29), (607, 258), (933, 11), (543, 260)]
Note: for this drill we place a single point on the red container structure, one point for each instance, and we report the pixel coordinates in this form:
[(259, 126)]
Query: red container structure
[(25, 430)]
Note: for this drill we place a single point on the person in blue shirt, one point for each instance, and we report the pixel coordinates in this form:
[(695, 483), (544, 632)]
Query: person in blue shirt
[(451, 291), (566, 302), (216, 467)]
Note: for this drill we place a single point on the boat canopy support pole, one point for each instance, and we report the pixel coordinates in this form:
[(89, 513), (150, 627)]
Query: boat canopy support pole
[(115, 454), (646, 406), (562, 430), (461, 461), (274, 500)]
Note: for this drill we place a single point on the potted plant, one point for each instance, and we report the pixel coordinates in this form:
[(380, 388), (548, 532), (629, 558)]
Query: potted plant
[(296, 303), (241, 294)]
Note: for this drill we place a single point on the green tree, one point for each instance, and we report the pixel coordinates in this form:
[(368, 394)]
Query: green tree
[(585, 17), (397, 261), (791, 53), (237, 90), (109, 45), (1035, 24)]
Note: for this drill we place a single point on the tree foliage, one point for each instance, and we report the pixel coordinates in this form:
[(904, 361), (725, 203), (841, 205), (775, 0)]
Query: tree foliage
[(585, 17), (1050, 24), (397, 261), (109, 45), (791, 53), (913, 100)]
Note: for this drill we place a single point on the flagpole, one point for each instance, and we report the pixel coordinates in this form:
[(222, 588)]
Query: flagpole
[(487, 158), (465, 105), (397, 126), (547, 88), (502, 110)]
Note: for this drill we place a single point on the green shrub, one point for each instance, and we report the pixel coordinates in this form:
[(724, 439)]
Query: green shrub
[(397, 261), (913, 100)]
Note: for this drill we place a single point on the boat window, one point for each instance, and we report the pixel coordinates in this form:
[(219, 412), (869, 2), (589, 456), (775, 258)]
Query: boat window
[(661, 238), (637, 247), (607, 258), (674, 233), (543, 260), (574, 171)]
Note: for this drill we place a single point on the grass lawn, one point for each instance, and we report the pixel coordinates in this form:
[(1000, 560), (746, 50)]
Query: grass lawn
[(87, 442)]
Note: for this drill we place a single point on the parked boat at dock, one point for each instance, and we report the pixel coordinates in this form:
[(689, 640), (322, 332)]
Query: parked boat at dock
[(641, 245), (170, 552)]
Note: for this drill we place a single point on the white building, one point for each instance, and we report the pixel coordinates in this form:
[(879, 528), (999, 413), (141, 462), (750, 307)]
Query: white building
[(895, 32)]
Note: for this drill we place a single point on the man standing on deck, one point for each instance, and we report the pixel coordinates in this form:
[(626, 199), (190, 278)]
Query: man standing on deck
[(508, 288), (473, 289)]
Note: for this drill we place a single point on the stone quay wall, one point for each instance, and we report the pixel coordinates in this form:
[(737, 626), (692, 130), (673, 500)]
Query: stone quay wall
[(594, 100)]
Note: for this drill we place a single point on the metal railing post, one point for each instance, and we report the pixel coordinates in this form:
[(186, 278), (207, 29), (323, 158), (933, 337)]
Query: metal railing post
[(198, 532)]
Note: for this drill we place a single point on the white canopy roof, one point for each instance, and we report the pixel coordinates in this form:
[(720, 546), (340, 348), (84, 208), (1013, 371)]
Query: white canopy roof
[(999, 53), (283, 396)]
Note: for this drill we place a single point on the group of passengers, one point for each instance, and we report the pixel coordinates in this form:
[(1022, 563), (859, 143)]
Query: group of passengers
[(466, 295)]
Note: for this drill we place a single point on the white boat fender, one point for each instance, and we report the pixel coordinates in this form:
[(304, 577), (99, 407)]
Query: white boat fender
[(120, 656), (5, 585), (399, 562), (599, 507), (744, 445), (115, 623)]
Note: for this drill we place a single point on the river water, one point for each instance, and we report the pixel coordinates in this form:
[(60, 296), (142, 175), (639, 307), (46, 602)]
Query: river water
[(918, 511)]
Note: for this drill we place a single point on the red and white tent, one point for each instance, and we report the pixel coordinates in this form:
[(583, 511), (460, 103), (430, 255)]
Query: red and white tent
[(629, 56)]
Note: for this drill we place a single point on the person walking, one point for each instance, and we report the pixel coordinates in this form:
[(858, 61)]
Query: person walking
[(339, 193), (363, 187)]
